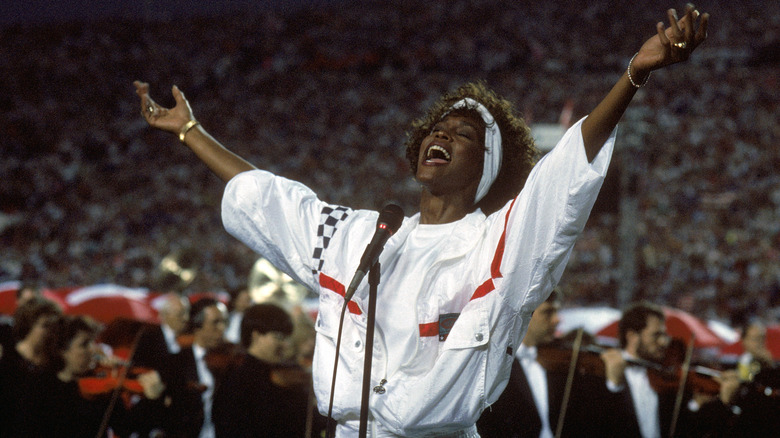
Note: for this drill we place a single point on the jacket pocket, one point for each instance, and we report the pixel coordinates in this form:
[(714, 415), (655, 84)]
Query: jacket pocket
[(471, 330)]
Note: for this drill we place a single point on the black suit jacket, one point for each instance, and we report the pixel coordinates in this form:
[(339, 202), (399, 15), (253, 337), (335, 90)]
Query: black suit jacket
[(152, 352), (515, 413), (186, 392), (616, 416)]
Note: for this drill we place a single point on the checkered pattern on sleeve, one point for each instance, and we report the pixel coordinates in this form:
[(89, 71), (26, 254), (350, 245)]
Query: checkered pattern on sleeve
[(330, 219)]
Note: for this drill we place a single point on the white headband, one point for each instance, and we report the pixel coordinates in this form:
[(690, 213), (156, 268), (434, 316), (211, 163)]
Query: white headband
[(493, 150)]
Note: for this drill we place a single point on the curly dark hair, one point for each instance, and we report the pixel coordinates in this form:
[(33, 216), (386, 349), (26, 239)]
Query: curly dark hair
[(519, 151)]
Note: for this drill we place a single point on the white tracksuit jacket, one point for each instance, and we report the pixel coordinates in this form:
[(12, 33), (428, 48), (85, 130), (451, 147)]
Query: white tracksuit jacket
[(454, 300)]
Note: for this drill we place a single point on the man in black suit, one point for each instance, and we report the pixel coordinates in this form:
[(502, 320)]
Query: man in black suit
[(631, 407), (749, 401), (531, 402), (193, 383), (158, 344)]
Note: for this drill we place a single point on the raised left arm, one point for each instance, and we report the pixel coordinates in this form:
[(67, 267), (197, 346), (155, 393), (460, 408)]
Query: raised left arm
[(670, 45)]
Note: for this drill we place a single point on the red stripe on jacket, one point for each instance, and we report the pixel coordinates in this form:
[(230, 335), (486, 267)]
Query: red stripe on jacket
[(486, 287), (333, 285)]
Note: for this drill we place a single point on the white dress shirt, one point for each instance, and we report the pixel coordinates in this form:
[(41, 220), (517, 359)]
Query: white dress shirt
[(170, 339), (233, 331), (537, 380), (645, 401), (206, 379), (643, 396)]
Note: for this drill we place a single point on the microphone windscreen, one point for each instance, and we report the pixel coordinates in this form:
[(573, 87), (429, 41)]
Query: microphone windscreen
[(392, 216)]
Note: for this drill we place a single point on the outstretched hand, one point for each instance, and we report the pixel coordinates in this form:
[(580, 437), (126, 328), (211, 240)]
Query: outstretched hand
[(167, 119), (671, 44), (224, 163)]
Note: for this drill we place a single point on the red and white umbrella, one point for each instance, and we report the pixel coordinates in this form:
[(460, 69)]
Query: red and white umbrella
[(681, 325), (8, 297), (107, 302), (591, 319)]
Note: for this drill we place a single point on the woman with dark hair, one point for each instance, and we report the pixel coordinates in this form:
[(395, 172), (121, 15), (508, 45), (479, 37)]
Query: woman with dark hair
[(21, 363), (461, 278), (58, 406), (31, 324), (519, 152)]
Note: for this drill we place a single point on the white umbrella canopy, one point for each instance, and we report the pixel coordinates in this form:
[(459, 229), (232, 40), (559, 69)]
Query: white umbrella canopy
[(591, 319), (723, 330)]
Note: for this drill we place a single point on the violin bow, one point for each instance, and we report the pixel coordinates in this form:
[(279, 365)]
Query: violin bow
[(120, 381), (686, 366), (569, 380)]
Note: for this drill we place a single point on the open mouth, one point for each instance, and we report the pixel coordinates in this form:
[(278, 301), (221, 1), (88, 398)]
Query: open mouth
[(437, 155)]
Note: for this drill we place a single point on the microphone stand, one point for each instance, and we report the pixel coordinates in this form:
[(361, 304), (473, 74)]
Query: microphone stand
[(373, 282)]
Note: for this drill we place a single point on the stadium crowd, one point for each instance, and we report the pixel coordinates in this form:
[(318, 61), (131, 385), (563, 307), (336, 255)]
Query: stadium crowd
[(84, 198)]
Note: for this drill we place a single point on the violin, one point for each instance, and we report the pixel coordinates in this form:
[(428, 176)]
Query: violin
[(104, 380), (222, 358), (664, 377), (121, 379), (287, 376), (185, 340)]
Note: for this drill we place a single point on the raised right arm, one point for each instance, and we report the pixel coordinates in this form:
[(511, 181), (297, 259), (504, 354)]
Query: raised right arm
[(180, 121)]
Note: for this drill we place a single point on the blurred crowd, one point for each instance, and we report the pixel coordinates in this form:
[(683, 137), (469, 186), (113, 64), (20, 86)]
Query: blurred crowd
[(324, 96)]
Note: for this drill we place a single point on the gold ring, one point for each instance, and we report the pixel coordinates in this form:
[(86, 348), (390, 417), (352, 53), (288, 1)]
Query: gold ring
[(680, 45), (150, 109)]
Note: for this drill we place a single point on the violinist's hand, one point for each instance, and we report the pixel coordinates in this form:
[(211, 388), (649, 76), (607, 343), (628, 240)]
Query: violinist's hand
[(671, 44), (614, 365), (167, 119), (700, 398), (729, 384), (152, 384), (106, 360), (763, 355)]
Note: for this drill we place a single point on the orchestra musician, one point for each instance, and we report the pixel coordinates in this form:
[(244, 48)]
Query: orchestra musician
[(61, 405), (22, 360), (252, 401), (158, 344), (749, 400), (192, 385), (756, 356), (649, 395)]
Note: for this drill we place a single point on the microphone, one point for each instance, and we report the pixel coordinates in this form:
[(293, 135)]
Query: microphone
[(387, 224)]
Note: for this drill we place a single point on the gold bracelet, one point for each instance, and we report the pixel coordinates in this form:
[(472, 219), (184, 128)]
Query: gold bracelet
[(630, 79), (187, 126)]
